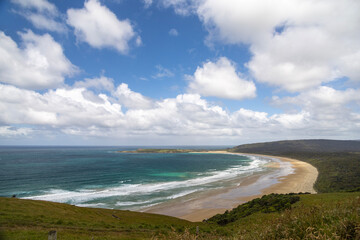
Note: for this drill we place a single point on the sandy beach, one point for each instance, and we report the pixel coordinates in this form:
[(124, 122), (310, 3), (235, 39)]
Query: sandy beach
[(207, 204)]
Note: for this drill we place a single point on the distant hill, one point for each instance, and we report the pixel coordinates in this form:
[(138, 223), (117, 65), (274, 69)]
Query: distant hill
[(338, 162), (314, 145)]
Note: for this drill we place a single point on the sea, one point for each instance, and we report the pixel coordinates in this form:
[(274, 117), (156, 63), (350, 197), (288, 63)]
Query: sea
[(106, 178)]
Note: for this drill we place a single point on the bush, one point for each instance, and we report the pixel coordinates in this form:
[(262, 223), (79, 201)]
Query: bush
[(266, 204)]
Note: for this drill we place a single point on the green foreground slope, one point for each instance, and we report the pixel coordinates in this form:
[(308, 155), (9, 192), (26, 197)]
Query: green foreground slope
[(319, 216), (30, 219)]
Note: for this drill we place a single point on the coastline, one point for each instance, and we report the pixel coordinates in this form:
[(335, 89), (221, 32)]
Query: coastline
[(208, 204)]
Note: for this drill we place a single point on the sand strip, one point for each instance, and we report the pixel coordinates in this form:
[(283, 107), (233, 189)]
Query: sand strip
[(210, 203)]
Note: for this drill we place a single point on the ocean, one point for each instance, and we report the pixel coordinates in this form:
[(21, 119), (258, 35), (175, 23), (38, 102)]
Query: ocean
[(103, 177)]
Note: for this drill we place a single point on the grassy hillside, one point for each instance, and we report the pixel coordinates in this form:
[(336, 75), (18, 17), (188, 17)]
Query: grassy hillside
[(315, 216), (320, 216), (315, 145), (266, 204), (338, 162), (29, 219)]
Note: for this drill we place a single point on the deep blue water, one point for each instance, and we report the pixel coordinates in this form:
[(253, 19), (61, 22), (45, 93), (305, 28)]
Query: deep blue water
[(102, 177)]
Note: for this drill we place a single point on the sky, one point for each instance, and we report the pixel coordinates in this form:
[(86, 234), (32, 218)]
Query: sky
[(178, 72)]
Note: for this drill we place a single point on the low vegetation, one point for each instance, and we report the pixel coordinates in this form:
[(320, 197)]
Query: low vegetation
[(29, 219), (315, 216), (265, 204), (318, 216), (155, 150), (338, 162)]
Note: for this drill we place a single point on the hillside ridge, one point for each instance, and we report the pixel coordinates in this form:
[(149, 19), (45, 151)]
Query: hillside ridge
[(306, 145)]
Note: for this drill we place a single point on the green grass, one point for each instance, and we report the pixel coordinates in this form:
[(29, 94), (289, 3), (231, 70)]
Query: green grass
[(266, 204), (318, 216), (337, 171), (156, 150), (338, 162), (28, 219)]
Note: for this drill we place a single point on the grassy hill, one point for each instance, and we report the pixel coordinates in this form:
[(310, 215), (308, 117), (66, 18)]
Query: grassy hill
[(338, 162), (319, 216), (290, 146), (30, 219)]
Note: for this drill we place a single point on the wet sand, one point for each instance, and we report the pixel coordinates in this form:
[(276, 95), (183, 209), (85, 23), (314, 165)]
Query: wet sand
[(204, 205)]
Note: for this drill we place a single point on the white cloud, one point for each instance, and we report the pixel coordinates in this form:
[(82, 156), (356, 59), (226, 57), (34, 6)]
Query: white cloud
[(131, 99), (312, 58), (101, 83), (321, 98), (73, 112), (181, 7), (292, 121), (249, 118), (326, 108), (96, 25), (162, 72), (147, 3), (173, 32), (43, 22), (81, 112), (138, 41), (317, 41), (57, 108), (8, 131), (39, 5), (220, 79), (42, 14), (40, 64)]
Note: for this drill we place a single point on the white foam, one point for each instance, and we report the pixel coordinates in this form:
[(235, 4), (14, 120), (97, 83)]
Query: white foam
[(82, 196), (93, 205), (121, 203)]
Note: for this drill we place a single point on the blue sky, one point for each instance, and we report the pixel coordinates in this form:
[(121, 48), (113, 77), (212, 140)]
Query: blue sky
[(168, 72)]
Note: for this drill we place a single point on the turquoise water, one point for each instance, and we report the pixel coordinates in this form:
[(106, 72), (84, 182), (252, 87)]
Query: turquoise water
[(102, 177)]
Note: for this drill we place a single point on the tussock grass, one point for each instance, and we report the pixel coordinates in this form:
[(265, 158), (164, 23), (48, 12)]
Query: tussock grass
[(318, 216)]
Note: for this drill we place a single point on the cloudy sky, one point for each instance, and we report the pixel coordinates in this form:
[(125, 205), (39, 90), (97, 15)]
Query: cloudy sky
[(178, 72)]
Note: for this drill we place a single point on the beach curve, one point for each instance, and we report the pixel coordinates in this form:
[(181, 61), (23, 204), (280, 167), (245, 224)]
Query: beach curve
[(302, 179)]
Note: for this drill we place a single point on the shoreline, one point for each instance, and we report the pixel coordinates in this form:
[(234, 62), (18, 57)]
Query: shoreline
[(208, 204)]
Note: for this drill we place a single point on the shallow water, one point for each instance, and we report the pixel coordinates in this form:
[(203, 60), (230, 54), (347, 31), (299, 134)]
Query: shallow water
[(102, 177)]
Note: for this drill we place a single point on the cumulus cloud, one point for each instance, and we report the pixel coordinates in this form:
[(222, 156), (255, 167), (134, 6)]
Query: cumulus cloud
[(42, 14), (220, 79), (321, 98), (296, 45), (249, 118), (71, 111), (60, 108), (131, 99), (292, 121), (101, 83), (326, 108), (39, 64), (96, 25), (80, 111)]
